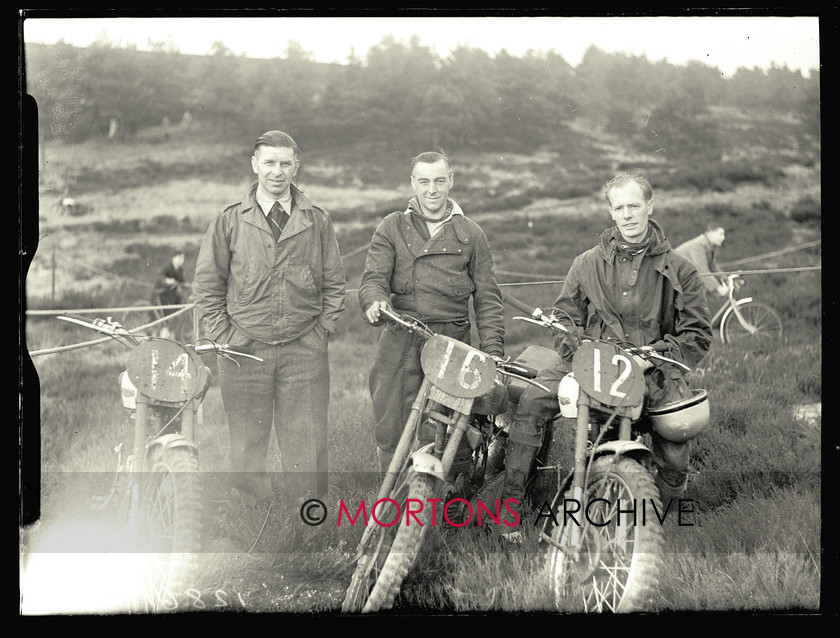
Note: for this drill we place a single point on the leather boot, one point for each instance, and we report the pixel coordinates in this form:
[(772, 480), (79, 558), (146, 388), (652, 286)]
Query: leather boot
[(384, 461), (671, 482), (518, 461)]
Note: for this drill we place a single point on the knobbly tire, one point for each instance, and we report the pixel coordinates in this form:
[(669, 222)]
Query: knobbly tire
[(390, 552), (617, 566), (170, 533), (767, 322)]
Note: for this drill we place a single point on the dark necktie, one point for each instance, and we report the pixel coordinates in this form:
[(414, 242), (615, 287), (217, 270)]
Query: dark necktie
[(277, 219)]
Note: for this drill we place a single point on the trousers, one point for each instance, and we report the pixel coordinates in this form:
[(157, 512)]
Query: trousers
[(290, 389), (396, 376)]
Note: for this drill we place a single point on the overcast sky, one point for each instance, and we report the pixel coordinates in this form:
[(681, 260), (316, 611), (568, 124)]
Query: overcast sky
[(723, 42)]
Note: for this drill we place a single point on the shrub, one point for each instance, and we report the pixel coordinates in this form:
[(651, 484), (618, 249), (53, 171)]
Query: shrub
[(806, 209)]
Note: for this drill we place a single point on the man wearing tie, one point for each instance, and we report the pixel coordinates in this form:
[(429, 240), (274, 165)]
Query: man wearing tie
[(269, 280)]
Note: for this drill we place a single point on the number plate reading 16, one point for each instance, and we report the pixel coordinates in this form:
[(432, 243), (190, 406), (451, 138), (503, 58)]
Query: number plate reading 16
[(456, 368), (608, 374)]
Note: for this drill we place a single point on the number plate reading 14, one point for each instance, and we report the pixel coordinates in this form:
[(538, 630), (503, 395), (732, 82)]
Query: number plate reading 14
[(608, 374)]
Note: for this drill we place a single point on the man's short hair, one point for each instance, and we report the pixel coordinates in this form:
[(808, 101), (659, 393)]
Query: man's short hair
[(713, 226), (430, 157), (625, 178), (277, 139)]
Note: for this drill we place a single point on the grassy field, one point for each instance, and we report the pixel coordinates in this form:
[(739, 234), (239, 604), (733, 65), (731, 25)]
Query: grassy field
[(756, 539)]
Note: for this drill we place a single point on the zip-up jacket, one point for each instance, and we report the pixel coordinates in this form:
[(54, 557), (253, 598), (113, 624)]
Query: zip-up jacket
[(249, 287)]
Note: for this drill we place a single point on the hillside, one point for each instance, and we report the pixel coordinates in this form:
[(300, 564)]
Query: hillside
[(756, 472)]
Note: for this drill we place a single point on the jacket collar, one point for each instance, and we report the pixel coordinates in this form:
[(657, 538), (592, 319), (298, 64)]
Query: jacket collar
[(249, 202), (611, 237), (451, 206)]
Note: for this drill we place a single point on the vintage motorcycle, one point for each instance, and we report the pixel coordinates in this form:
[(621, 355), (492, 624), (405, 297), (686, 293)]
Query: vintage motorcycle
[(462, 392), (605, 529), (157, 488)]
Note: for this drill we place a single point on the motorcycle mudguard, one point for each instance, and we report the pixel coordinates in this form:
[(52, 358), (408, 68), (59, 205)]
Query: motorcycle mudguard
[(163, 443), (425, 463), (625, 448)]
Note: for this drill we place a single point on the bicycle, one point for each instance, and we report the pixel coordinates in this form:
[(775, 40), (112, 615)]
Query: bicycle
[(179, 324), (738, 319)]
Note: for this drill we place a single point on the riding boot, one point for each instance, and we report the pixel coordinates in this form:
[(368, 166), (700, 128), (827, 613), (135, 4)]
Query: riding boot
[(672, 460), (519, 458), (384, 461), (671, 482)]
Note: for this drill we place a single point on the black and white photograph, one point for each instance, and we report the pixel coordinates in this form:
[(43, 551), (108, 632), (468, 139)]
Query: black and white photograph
[(421, 313)]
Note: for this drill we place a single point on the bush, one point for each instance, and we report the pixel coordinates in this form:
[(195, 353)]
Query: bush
[(806, 210)]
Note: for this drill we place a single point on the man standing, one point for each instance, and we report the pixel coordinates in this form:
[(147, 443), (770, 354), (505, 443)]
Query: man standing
[(631, 287), (702, 252), (427, 261), (269, 279)]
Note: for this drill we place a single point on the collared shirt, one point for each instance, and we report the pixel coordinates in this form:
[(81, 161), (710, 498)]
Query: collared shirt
[(267, 203)]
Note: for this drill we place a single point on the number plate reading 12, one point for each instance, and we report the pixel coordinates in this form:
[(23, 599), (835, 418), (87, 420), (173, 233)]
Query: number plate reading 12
[(608, 374), (456, 368)]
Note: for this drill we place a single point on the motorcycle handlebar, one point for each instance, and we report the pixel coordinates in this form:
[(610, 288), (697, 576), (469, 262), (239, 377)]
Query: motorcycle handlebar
[(536, 315)]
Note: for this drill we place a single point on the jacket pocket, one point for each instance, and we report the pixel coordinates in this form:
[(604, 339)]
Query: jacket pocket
[(462, 285), (399, 283)]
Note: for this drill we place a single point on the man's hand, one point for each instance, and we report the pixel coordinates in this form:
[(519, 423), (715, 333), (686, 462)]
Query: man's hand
[(643, 363), (722, 290), (372, 313)]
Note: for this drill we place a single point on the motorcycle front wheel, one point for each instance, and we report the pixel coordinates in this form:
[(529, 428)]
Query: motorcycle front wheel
[(390, 550), (170, 528), (615, 564)]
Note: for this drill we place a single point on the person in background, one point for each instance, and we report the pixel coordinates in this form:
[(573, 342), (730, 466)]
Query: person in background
[(169, 284), (702, 252), (428, 261), (631, 287), (269, 280)]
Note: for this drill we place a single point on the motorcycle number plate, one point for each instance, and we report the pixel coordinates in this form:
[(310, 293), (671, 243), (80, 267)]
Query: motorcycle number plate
[(608, 374), (164, 370), (457, 368)]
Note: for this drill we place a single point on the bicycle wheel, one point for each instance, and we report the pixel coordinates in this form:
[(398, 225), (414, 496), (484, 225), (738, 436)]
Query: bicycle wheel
[(170, 532), (616, 563), (390, 552), (767, 323)]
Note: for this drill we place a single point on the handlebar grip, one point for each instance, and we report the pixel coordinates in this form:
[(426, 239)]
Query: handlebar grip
[(519, 305)]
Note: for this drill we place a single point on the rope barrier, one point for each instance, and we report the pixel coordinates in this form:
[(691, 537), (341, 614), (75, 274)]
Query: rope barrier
[(774, 253), (185, 308)]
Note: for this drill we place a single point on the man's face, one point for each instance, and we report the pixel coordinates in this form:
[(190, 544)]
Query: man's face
[(717, 236), (275, 168), (431, 184), (630, 211), (178, 260)]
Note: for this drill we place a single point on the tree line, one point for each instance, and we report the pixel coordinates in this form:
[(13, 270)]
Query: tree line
[(404, 94)]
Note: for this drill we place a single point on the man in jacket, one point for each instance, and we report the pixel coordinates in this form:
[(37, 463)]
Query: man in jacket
[(631, 287), (702, 252), (427, 261), (269, 280)]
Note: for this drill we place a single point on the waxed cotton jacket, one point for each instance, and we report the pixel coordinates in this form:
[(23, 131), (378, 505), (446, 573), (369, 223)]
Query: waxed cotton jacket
[(433, 279), (249, 287), (679, 317)]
